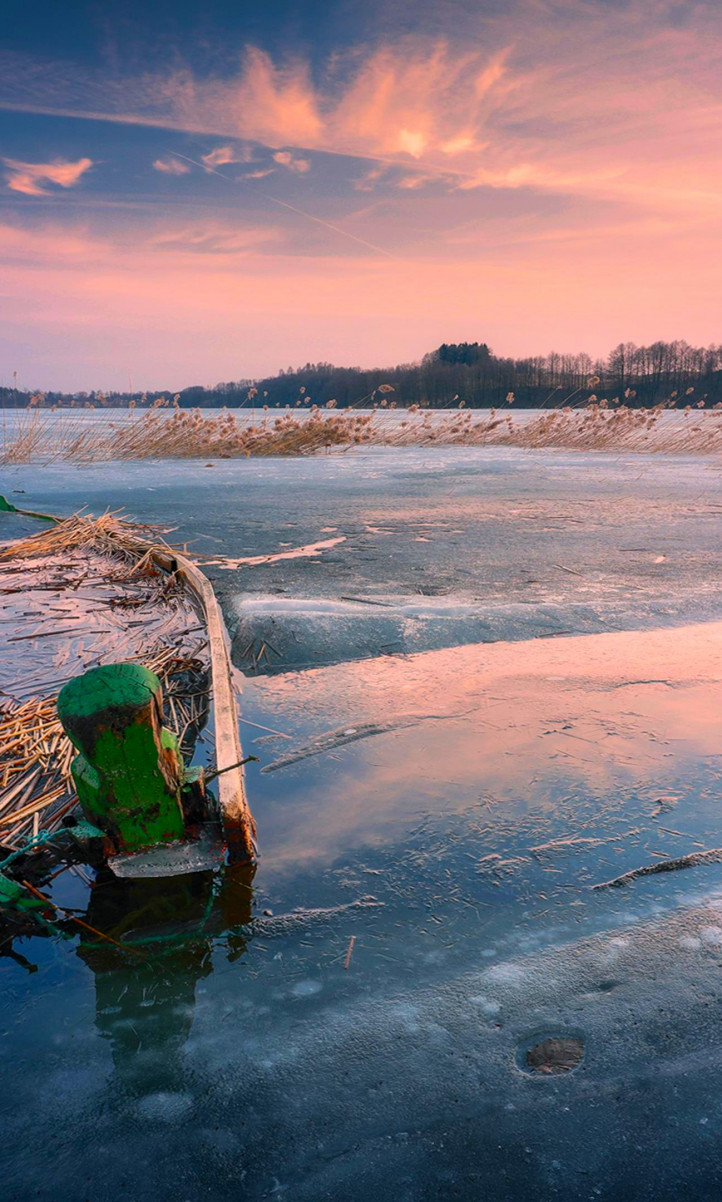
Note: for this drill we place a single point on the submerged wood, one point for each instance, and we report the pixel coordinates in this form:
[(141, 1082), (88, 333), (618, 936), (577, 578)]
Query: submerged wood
[(712, 855)]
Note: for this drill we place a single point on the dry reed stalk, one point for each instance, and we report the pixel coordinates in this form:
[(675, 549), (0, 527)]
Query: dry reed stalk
[(46, 787), (349, 952), (187, 433), (35, 754)]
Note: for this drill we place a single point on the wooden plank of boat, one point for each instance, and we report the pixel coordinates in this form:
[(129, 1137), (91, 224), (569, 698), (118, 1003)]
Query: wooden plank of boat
[(7, 507), (238, 824)]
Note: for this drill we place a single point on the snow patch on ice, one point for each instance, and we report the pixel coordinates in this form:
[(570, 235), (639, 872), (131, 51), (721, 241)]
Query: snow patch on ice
[(712, 936), (488, 1005), (507, 974)]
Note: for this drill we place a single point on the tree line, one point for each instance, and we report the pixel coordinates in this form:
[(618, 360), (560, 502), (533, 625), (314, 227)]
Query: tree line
[(671, 373)]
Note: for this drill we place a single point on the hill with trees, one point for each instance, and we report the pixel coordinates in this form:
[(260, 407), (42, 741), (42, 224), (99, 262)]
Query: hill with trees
[(673, 373)]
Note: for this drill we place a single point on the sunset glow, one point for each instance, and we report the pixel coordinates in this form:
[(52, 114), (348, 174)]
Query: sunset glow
[(189, 200)]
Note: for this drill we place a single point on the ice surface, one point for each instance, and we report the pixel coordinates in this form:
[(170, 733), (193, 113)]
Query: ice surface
[(421, 1095), (448, 811), (462, 538), (401, 1075), (302, 633)]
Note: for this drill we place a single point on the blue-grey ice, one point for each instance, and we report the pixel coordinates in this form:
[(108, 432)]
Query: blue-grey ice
[(499, 690)]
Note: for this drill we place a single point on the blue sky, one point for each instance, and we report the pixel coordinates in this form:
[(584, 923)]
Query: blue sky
[(199, 192)]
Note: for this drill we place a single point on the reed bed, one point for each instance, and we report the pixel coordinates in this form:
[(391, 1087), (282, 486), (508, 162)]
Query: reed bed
[(55, 587), (110, 534), (189, 434)]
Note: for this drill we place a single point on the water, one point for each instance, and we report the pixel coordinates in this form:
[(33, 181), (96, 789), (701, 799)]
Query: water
[(436, 822)]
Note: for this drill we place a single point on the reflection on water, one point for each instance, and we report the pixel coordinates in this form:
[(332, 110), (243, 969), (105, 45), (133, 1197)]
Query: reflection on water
[(574, 736), (349, 1021), (147, 1013)]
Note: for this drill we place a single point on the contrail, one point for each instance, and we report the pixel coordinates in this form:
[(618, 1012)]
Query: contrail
[(309, 216)]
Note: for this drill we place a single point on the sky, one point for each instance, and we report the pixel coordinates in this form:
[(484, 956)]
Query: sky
[(192, 193)]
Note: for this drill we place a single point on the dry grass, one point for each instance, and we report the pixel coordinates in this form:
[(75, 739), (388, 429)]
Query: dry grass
[(36, 787), (67, 579), (180, 434), (190, 434)]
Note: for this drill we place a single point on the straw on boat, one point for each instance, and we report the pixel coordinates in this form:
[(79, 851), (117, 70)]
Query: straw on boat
[(109, 556)]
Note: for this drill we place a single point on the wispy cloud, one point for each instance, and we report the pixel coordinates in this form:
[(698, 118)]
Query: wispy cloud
[(368, 181), (554, 95), (171, 166), (221, 155), (226, 242), (406, 99), (454, 181), (415, 98), (294, 163), (29, 178)]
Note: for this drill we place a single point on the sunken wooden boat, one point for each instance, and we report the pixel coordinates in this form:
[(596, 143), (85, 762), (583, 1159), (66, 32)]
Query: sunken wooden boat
[(103, 612)]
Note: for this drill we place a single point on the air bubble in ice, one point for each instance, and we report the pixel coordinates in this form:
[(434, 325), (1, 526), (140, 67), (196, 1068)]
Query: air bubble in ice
[(165, 1107), (306, 988)]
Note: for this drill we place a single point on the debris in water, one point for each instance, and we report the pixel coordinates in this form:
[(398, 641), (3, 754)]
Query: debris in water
[(494, 864), (335, 738), (349, 952), (712, 856), (562, 846), (664, 804), (554, 1056)]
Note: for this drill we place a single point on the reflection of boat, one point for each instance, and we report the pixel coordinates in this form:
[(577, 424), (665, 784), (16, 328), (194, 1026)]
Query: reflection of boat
[(171, 925), (82, 593), (148, 942)]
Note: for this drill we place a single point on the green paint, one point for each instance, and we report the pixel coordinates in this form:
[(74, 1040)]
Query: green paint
[(112, 686), (15, 896), (128, 771), (83, 831), (6, 507)]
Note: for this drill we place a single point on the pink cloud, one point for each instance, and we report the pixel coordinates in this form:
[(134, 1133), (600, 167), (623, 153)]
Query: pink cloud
[(404, 99), (277, 103), (368, 181), (221, 155), (27, 178), (410, 182), (568, 98), (563, 97), (171, 166), (214, 240), (286, 159), (414, 99)]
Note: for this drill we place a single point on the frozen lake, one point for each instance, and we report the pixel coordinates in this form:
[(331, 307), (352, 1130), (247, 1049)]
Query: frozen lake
[(491, 682), (424, 548)]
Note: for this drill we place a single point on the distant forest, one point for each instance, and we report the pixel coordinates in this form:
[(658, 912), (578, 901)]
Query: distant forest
[(672, 373)]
